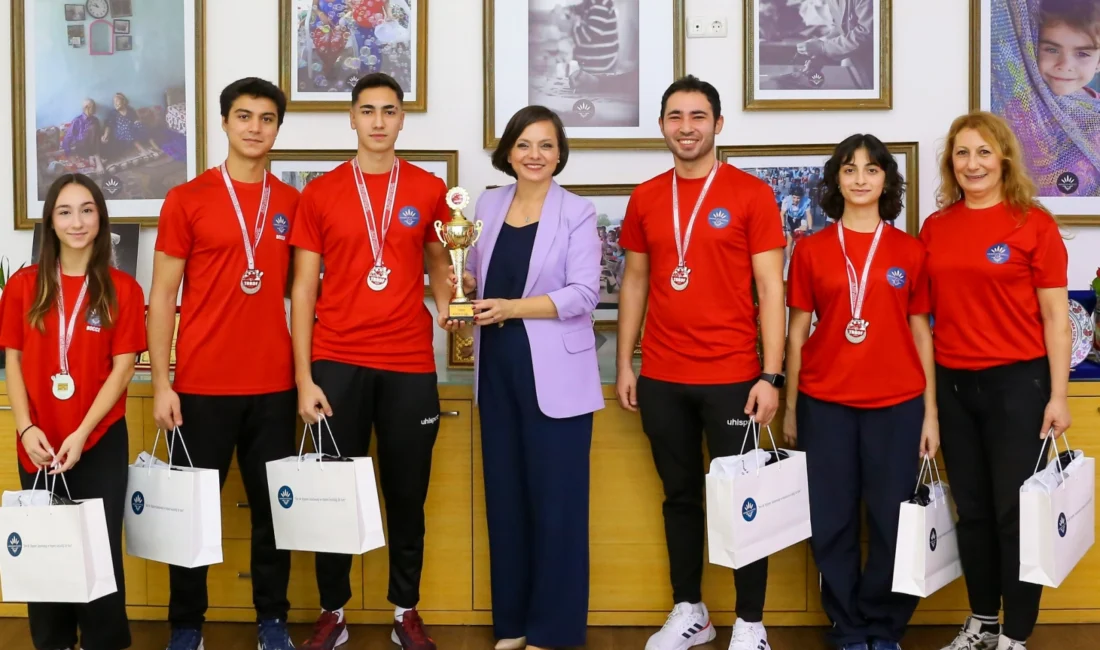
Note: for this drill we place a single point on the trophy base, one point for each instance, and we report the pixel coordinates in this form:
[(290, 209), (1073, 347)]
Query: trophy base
[(462, 312)]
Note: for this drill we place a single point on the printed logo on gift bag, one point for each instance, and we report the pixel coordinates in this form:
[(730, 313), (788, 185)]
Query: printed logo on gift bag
[(748, 509), (932, 540), (15, 544), (1063, 527), (137, 503), (286, 497)]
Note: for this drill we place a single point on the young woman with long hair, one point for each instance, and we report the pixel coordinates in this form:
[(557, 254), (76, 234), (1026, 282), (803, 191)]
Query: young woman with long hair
[(72, 326)]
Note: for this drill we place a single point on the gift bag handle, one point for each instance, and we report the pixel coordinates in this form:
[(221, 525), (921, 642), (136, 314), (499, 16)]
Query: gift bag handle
[(46, 482), (756, 438), (318, 440), (170, 440), (931, 463), (1057, 459)]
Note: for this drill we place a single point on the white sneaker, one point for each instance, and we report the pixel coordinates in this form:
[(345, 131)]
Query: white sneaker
[(971, 637), (749, 636), (688, 625), (1006, 643)]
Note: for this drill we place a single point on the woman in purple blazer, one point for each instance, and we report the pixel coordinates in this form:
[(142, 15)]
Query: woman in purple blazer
[(535, 272)]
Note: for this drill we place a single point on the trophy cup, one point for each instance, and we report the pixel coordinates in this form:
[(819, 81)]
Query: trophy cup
[(458, 235)]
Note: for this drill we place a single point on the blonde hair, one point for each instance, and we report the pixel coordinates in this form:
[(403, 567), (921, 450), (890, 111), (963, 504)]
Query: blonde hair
[(1019, 190)]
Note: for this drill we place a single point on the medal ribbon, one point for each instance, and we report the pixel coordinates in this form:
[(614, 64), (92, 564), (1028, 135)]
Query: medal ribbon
[(681, 249), (856, 296), (376, 243), (65, 336), (261, 217)]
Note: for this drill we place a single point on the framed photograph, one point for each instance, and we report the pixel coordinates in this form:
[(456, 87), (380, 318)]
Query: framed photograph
[(817, 54), (610, 202), (135, 124), (143, 363), (585, 60), (122, 27), (1017, 72), (794, 173), (122, 8), (123, 42), (76, 35), (74, 13), (325, 47)]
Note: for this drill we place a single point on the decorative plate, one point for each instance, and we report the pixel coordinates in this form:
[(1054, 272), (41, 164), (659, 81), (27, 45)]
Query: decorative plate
[(1082, 331)]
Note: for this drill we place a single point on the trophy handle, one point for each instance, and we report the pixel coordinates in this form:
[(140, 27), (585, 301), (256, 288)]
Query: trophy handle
[(477, 231), (439, 232)]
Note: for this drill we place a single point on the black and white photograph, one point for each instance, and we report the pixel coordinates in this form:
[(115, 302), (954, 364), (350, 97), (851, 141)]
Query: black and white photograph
[(326, 46), (124, 246), (133, 123), (122, 27), (75, 13), (817, 54), (1036, 63), (585, 60), (794, 173), (122, 8)]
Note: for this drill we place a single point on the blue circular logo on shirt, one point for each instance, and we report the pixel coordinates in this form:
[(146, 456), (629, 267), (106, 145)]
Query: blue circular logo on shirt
[(15, 544), (748, 509), (137, 503), (719, 217), (998, 253), (281, 224), (1063, 525), (896, 277), (409, 216), (286, 497)]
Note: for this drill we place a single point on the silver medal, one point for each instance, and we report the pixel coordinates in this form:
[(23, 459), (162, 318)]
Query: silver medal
[(856, 331), (251, 281), (378, 278), (680, 277), (379, 275), (680, 274)]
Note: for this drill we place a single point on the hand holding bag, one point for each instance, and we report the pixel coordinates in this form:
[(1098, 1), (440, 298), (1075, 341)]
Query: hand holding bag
[(926, 558)]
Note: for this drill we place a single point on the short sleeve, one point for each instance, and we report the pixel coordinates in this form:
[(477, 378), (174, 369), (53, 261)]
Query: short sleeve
[(1050, 260), (926, 232), (440, 212), (305, 231), (174, 233), (763, 225), (800, 290), (12, 313), (920, 294), (128, 332), (632, 234)]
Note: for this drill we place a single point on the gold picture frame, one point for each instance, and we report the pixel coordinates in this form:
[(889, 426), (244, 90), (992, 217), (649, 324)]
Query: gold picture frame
[(288, 65), (142, 362), (111, 175), (583, 137), (835, 99)]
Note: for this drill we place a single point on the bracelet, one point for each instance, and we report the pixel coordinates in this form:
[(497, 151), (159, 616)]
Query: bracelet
[(29, 427)]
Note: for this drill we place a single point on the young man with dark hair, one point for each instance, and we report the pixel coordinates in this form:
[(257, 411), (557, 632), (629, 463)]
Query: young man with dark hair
[(363, 352), (701, 371), (225, 232)]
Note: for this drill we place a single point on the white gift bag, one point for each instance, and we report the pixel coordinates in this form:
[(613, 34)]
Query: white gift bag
[(173, 514), (55, 553), (1057, 517), (756, 509), (322, 503), (927, 555)]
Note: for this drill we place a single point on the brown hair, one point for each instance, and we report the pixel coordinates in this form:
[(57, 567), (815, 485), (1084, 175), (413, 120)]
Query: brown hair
[(1019, 189), (1082, 15), (101, 289), (524, 118)]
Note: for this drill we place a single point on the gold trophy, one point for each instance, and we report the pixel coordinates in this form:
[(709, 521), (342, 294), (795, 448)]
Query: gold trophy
[(458, 235)]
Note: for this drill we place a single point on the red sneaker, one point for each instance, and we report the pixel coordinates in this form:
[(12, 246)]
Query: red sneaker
[(409, 632), (328, 632)]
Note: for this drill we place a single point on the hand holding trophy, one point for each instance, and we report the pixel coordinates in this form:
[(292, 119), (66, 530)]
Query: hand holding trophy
[(458, 235)]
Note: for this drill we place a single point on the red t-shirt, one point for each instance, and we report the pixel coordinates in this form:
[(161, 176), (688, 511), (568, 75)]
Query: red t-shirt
[(229, 342), (833, 369), (91, 352), (389, 329), (985, 266), (705, 334)]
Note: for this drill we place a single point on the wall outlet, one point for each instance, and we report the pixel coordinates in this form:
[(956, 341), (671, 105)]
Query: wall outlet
[(707, 27)]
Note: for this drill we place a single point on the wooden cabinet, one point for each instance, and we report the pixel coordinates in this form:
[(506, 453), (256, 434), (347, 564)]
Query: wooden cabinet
[(629, 561)]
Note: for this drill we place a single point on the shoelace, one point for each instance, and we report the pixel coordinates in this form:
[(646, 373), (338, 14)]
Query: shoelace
[(966, 640), (414, 626), (274, 635), (745, 633), (184, 639)]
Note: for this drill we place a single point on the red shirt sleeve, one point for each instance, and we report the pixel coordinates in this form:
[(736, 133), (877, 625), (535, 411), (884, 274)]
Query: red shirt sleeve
[(764, 227), (631, 236), (920, 300), (305, 230), (925, 235), (129, 327), (441, 212), (1050, 261), (174, 235), (800, 277), (12, 314)]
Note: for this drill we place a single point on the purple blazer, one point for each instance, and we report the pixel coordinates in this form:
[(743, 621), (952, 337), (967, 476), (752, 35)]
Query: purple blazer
[(565, 265)]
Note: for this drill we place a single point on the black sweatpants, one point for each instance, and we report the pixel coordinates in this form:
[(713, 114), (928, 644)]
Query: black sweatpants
[(103, 625), (856, 455), (674, 417), (404, 409), (261, 429), (989, 429)]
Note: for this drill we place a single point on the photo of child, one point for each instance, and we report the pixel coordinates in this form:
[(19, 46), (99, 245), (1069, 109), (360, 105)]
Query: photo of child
[(798, 195), (816, 44)]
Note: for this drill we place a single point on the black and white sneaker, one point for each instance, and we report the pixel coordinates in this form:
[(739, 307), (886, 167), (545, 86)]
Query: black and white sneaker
[(687, 626), (749, 636), (971, 637), (1006, 643)]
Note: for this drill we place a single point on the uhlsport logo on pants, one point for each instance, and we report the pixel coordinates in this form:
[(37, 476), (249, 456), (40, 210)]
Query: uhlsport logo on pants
[(286, 496), (15, 544), (137, 503), (932, 540), (748, 509)]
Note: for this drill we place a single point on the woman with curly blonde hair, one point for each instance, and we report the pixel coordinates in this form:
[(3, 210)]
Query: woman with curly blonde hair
[(997, 268)]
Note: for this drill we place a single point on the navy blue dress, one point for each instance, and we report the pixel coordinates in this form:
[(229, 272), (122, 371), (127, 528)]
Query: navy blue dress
[(536, 475)]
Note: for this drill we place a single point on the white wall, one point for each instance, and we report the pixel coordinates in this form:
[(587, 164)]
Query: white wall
[(930, 45)]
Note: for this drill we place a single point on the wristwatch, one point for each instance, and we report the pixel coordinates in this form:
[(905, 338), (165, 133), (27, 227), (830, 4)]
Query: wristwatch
[(776, 380)]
